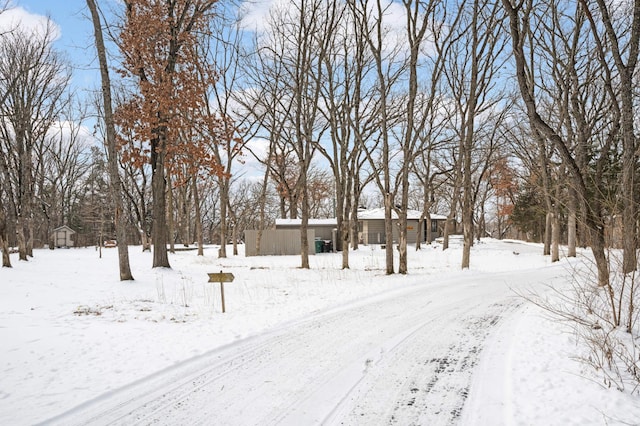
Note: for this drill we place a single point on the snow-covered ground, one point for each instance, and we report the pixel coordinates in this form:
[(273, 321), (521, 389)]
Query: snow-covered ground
[(325, 345)]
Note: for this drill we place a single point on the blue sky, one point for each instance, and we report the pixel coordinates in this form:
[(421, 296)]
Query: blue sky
[(75, 35)]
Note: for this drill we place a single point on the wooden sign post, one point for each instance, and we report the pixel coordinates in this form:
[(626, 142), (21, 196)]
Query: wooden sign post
[(221, 277)]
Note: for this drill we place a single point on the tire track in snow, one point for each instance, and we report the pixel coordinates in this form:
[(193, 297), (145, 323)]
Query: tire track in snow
[(402, 358), (167, 386), (441, 400), (426, 381)]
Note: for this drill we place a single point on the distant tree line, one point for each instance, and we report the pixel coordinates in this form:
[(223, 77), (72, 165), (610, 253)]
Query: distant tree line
[(512, 118)]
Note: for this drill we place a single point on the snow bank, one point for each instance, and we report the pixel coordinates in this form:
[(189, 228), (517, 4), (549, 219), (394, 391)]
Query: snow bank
[(72, 332)]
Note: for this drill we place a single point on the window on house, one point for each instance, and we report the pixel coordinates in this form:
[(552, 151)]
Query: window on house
[(434, 226)]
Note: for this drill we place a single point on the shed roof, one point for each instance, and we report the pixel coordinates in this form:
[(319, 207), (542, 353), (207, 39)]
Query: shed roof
[(64, 228)]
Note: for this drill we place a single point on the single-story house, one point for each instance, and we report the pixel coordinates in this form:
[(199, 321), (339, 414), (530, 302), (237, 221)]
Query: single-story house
[(324, 229), (61, 236), (371, 226)]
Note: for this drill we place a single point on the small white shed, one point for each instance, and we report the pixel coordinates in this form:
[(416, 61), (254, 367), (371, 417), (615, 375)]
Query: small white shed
[(62, 236)]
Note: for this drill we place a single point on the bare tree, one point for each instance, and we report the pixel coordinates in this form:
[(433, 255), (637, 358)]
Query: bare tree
[(471, 71), (62, 163), (348, 103), (431, 31), (616, 29), (423, 24), (389, 68), (297, 44), (226, 124), (135, 188), (4, 236), (110, 142), (268, 110), (37, 78), (520, 25), (316, 21)]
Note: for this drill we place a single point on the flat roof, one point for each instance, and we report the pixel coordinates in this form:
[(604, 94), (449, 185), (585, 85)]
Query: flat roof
[(378, 213), (313, 222)]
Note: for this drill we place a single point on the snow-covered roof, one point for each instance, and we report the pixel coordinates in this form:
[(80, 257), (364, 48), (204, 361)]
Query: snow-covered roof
[(64, 228), (367, 214), (379, 214), (312, 222)]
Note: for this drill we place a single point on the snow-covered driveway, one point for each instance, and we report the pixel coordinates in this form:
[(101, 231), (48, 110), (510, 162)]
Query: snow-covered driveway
[(403, 357)]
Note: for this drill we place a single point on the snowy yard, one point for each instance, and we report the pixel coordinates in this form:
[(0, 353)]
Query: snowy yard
[(331, 346)]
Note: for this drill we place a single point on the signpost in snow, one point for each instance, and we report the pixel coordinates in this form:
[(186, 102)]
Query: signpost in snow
[(221, 277)]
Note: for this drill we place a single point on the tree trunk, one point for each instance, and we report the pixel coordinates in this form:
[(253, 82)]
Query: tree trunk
[(283, 207), (224, 200), (4, 246), (22, 241), (144, 239), (114, 177), (184, 221), (457, 181), (343, 209), (548, 234), (345, 235), (572, 225), (4, 241), (420, 232), (30, 234), (388, 234), (198, 218), (234, 234), (24, 203), (304, 238), (469, 132), (598, 248), (629, 153), (467, 230), (546, 192), (402, 242), (629, 217), (555, 236), (467, 203), (353, 222), (158, 190), (592, 219), (354, 232), (403, 266), (263, 202), (445, 232), (169, 214)]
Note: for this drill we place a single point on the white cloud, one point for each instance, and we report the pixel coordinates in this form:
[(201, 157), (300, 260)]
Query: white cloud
[(29, 23), (254, 14), (257, 16), (69, 130), (259, 147)]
